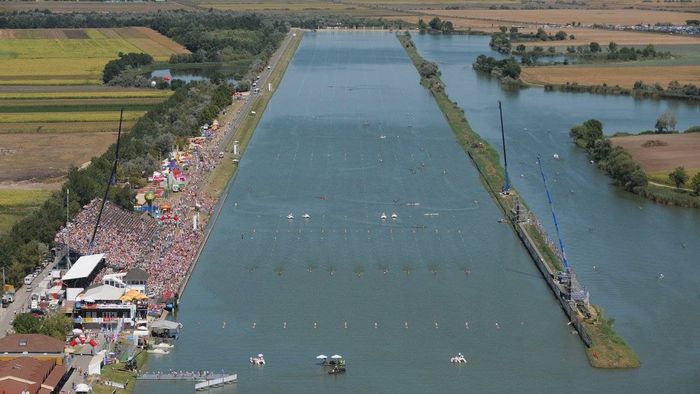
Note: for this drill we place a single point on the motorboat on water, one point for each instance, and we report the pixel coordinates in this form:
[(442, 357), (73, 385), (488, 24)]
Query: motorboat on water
[(336, 365), (164, 345), (413, 204), (259, 360), (290, 216), (458, 359), (158, 350), (306, 216), (383, 216), (394, 216)]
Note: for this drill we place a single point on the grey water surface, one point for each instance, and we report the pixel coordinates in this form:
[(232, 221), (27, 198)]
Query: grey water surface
[(350, 134)]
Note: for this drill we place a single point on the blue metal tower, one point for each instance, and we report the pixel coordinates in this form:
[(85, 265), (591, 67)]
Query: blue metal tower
[(554, 216)]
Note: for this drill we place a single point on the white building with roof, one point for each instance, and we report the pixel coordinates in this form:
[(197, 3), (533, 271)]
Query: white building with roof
[(81, 274), (102, 306)]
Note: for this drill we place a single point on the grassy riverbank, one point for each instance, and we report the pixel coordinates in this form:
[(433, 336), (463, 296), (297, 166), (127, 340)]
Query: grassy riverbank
[(608, 349), (116, 373)]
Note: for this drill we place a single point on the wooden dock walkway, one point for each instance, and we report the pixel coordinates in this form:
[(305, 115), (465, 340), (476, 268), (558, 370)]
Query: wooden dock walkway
[(184, 376), (216, 382)]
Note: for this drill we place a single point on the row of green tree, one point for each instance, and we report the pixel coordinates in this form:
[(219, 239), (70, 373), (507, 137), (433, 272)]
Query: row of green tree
[(502, 40), (614, 160), (436, 25), (125, 61), (54, 325), (506, 70), (679, 176), (639, 90), (674, 89)]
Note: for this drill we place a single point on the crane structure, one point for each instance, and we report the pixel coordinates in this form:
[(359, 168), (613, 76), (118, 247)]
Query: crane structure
[(576, 292), (112, 179)]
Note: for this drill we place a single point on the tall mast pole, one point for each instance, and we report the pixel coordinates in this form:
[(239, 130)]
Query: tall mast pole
[(112, 176), (506, 186), (68, 263), (554, 216)]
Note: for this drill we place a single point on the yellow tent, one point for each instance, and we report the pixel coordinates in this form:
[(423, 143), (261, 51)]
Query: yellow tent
[(133, 295)]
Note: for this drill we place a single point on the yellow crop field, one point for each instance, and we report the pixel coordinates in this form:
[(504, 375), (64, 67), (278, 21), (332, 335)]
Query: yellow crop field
[(44, 67), (49, 117), (42, 48), (73, 56), (72, 94)]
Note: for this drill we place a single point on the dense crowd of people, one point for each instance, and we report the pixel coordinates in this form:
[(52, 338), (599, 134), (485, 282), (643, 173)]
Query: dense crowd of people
[(165, 246)]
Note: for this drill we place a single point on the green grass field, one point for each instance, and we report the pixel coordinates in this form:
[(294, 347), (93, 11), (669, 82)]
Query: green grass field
[(63, 127), (16, 203), (662, 176)]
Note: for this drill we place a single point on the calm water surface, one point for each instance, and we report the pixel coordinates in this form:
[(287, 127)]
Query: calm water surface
[(351, 134), (629, 239)]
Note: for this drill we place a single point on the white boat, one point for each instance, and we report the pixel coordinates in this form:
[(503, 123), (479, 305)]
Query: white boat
[(158, 351), (394, 216), (259, 360), (306, 216), (164, 345), (383, 216), (431, 214), (290, 216), (458, 359), (556, 156)]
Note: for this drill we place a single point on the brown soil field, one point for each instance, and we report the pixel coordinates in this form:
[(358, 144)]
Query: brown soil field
[(623, 76), (583, 35), (87, 6), (566, 16), (146, 33), (38, 156), (681, 150)]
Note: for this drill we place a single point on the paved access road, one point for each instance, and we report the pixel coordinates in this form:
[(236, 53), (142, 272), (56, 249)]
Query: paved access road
[(262, 84), (21, 303)]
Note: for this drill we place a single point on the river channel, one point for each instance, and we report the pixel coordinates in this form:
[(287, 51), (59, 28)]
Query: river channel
[(350, 134)]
